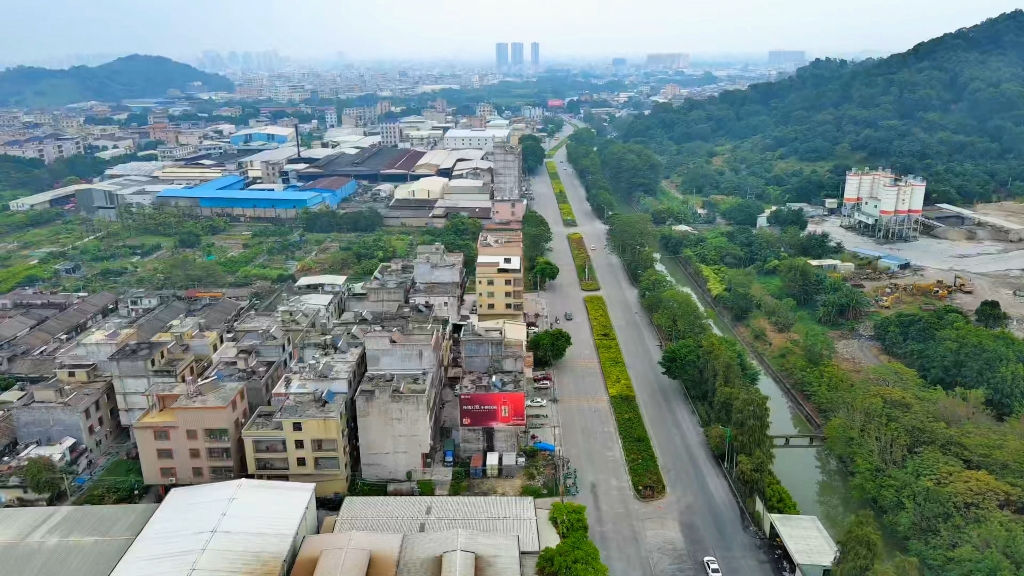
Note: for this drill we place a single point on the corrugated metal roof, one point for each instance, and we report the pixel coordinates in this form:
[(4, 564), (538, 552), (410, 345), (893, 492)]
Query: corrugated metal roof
[(413, 514), (65, 540), (235, 527), (806, 539)]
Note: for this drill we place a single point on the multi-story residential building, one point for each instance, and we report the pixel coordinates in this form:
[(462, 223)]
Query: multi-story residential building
[(508, 171), (78, 403), (390, 133), (481, 139), (243, 362), (485, 110), (330, 118), (48, 148), (10, 119), (535, 54), (507, 211), (139, 366), (191, 432), (439, 280), (171, 153), (435, 116), (500, 275), (517, 54), (359, 116), (501, 55)]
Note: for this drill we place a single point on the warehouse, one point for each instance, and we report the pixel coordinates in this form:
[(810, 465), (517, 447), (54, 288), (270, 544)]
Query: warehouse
[(371, 165), (61, 540), (252, 527), (226, 197)]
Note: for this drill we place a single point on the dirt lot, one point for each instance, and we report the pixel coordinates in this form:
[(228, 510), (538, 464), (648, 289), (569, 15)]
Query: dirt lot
[(1009, 211)]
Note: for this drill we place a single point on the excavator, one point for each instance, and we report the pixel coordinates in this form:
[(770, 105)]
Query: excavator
[(962, 285)]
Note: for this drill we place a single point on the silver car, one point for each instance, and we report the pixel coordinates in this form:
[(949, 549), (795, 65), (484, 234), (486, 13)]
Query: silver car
[(711, 566)]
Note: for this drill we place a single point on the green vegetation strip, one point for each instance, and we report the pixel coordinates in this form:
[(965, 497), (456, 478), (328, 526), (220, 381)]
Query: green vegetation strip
[(588, 282), (641, 460), (554, 149), (564, 208), (576, 553)]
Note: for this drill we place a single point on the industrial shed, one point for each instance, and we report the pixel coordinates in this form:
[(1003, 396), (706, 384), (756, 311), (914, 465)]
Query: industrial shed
[(251, 527), (512, 515), (66, 540), (806, 541)]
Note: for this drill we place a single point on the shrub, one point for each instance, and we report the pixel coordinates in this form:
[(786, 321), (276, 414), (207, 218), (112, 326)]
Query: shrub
[(581, 258), (564, 207), (641, 461)]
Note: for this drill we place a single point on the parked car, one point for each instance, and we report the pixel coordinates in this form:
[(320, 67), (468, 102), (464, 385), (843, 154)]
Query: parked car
[(543, 376), (568, 315), (536, 402), (542, 384), (711, 566)]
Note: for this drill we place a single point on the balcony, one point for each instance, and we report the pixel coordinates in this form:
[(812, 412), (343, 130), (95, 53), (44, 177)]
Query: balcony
[(271, 464), (328, 445), (270, 446), (326, 464)]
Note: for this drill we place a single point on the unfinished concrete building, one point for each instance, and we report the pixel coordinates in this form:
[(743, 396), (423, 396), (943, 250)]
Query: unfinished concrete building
[(397, 417), (508, 171), (504, 434)]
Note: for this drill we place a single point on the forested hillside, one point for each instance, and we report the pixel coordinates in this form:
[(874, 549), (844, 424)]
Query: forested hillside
[(950, 109), (134, 76)]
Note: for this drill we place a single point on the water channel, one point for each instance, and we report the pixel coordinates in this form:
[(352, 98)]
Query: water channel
[(812, 476)]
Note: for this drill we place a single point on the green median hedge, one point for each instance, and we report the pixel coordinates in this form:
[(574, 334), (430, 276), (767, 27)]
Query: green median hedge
[(641, 460), (554, 149), (581, 258), (564, 208)]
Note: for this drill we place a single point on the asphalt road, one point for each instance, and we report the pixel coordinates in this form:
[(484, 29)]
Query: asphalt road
[(699, 516)]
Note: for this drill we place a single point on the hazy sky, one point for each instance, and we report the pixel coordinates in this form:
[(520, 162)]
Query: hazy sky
[(468, 29)]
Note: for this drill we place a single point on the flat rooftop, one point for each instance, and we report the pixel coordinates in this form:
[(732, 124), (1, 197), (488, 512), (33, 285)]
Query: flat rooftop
[(482, 383), (139, 350), (395, 382)]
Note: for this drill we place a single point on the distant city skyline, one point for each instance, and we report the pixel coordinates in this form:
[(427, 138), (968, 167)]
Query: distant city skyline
[(568, 30)]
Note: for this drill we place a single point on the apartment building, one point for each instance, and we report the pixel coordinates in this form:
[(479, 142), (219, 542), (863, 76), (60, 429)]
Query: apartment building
[(191, 433), (139, 366), (48, 148), (500, 275)]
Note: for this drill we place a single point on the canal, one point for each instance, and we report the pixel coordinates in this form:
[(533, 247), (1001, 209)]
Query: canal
[(812, 476)]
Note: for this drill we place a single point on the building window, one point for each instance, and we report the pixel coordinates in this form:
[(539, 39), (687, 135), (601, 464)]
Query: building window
[(325, 445), (161, 435), (88, 413), (490, 294), (300, 461), (194, 453), (234, 406), (96, 405), (241, 394), (326, 463), (508, 282), (508, 294), (218, 453), (300, 444), (197, 472), (71, 373), (168, 472), (191, 434), (296, 426), (164, 454), (217, 435), (508, 306), (92, 430), (221, 472), (99, 421), (490, 306), (490, 282)]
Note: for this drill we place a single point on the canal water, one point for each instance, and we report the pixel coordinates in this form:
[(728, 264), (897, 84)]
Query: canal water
[(812, 476)]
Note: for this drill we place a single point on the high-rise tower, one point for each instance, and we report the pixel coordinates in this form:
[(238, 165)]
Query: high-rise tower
[(535, 54), (517, 54), (501, 55)]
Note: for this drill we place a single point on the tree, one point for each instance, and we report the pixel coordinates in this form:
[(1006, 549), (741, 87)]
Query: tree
[(188, 239), (570, 519), (575, 556), (536, 236), (545, 270), (549, 346), (42, 476), (788, 218), (990, 315), (743, 212), (800, 280), (533, 152), (860, 548)]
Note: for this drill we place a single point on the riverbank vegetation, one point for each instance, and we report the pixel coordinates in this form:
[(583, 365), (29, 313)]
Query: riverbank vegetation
[(564, 207), (584, 268), (641, 460)]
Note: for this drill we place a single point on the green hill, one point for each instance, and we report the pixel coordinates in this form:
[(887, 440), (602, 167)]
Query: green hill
[(950, 109), (134, 76)]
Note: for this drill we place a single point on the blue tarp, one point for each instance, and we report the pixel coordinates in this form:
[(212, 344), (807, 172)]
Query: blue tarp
[(544, 446)]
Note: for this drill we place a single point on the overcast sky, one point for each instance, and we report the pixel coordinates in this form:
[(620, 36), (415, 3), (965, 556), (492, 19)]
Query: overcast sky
[(468, 29)]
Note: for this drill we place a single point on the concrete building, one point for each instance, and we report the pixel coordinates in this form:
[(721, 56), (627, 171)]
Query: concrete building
[(508, 211), (535, 54), (245, 362), (439, 280), (275, 135), (494, 346), (397, 402), (485, 110), (388, 289), (48, 147), (506, 431), (61, 540), (78, 403), (172, 153), (500, 274), (501, 55), (484, 139), (508, 171), (138, 366), (435, 116), (390, 133), (191, 433), (244, 527), (517, 55), (330, 118)]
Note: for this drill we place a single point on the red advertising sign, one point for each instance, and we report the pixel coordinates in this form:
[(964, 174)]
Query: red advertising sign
[(493, 410), (556, 103)]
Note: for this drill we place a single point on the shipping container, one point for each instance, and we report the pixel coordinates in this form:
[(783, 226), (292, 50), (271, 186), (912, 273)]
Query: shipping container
[(476, 466)]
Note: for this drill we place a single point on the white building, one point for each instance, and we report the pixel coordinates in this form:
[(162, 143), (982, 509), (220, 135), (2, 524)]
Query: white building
[(481, 138), (176, 152), (532, 112), (484, 110), (331, 118), (390, 133)]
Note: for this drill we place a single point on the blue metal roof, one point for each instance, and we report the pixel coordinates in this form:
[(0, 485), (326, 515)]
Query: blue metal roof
[(895, 259), (240, 194), (866, 252)]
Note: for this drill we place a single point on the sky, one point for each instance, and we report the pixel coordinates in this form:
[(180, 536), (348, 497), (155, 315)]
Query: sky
[(467, 29)]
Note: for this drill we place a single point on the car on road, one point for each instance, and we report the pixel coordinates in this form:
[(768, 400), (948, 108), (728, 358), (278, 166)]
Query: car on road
[(542, 384), (568, 315), (711, 566), (543, 376), (593, 246), (536, 402)]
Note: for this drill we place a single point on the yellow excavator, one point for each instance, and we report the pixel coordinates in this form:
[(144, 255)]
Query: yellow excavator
[(962, 285)]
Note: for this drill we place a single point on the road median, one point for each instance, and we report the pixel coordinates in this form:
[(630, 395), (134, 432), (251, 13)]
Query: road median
[(641, 461), (564, 207), (584, 267)]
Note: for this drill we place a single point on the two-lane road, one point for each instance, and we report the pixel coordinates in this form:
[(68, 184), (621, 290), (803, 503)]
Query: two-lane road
[(699, 516)]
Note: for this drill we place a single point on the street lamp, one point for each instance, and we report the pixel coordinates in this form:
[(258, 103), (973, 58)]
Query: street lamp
[(728, 439)]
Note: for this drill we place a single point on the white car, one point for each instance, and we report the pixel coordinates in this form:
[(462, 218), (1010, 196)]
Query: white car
[(711, 566), (536, 402), (542, 384), (593, 246)]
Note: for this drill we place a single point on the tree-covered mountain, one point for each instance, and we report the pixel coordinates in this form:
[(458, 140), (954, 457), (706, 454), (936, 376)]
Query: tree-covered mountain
[(134, 76), (950, 109)]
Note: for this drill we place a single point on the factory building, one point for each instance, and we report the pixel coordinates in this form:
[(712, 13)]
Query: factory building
[(227, 196), (881, 204)]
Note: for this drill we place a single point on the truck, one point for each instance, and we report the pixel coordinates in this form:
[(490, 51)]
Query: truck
[(449, 453)]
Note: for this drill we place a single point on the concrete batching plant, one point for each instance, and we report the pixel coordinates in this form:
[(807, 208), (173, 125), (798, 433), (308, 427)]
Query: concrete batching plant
[(881, 204)]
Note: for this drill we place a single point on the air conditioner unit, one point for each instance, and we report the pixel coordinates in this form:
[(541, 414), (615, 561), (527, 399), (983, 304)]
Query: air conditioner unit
[(172, 480)]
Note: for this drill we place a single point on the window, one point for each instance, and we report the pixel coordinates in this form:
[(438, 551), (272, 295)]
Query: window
[(197, 472), (326, 463), (234, 405), (218, 453), (71, 373), (164, 454), (221, 472), (100, 420), (88, 413), (507, 260), (241, 394), (490, 306), (300, 444), (161, 435), (92, 430), (508, 306), (245, 413), (217, 435), (96, 406), (191, 435), (490, 294), (194, 453), (508, 294), (168, 472), (300, 461), (508, 282), (325, 445), (490, 282), (296, 426)]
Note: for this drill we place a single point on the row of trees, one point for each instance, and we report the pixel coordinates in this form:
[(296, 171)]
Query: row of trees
[(325, 221), (536, 241)]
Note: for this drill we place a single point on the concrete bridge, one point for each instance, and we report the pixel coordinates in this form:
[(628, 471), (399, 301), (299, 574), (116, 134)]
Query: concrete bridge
[(798, 440)]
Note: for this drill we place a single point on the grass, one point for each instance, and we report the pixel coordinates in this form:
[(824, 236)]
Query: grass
[(581, 258), (115, 485), (641, 461), (564, 207)]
